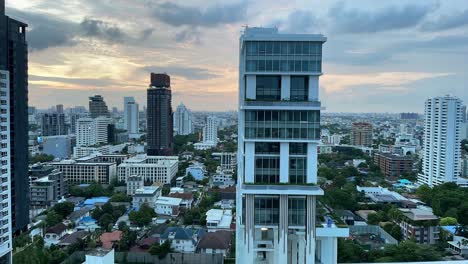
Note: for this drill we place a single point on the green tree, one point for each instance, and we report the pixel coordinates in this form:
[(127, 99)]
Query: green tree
[(143, 216), (64, 208), (160, 250), (105, 220), (120, 197), (40, 158), (53, 218), (448, 221)]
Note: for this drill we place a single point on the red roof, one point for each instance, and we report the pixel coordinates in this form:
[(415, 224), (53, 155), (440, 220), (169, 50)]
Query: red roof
[(108, 239), (183, 196)]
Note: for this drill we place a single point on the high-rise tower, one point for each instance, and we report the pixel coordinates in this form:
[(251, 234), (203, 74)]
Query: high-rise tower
[(159, 115), (279, 131), (183, 124), (442, 141), (14, 60), (131, 115), (98, 107)]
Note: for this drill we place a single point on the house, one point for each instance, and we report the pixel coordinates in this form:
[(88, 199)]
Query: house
[(147, 195), (134, 183), (346, 215), (110, 238), (459, 245), (144, 244), (87, 224), (183, 240), (419, 225), (218, 219), (100, 256), (73, 238), (168, 206), (76, 216), (381, 195), (54, 234), (216, 242), (187, 199)]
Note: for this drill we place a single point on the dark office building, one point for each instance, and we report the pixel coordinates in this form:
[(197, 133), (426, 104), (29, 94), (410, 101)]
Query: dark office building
[(53, 124), (97, 107), (409, 116), (14, 58), (159, 115)]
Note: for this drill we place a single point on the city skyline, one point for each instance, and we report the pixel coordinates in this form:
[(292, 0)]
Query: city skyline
[(379, 57)]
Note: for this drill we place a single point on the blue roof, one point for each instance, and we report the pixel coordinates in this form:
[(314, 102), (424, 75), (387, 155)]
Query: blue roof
[(87, 219), (451, 229), (183, 233), (95, 200), (404, 181)]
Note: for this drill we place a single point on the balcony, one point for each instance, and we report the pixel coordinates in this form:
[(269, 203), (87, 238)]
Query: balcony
[(263, 245), (277, 189), (280, 105)]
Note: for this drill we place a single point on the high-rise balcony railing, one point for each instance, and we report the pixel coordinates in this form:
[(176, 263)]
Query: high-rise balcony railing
[(282, 188)]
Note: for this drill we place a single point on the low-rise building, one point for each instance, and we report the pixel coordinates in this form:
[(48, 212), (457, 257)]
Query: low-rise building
[(218, 242), (227, 160), (459, 245), (133, 183), (83, 151), (187, 198), (86, 172), (182, 239), (156, 169), (168, 206), (47, 190), (393, 165), (146, 195), (218, 219), (419, 225), (108, 239), (54, 234)]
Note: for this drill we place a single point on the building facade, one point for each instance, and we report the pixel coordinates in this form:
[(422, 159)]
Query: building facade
[(156, 169), (53, 124), (6, 242), (420, 226), (47, 190), (98, 107), (393, 165), (159, 115), (86, 172), (361, 134), (14, 60), (92, 131), (131, 115), (279, 131), (441, 141), (183, 124)]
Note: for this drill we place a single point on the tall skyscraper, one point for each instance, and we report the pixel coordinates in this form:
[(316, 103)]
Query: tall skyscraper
[(6, 241), (59, 108), (279, 132), (210, 130), (131, 115), (464, 114), (14, 59), (97, 107), (441, 141), (53, 124), (361, 134), (159, 115), (183, 124)]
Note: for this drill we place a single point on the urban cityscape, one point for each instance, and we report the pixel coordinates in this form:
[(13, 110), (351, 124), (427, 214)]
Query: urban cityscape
[(287, 148)]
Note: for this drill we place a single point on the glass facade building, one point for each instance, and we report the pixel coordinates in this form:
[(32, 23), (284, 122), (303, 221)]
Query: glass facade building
[(279, 130)]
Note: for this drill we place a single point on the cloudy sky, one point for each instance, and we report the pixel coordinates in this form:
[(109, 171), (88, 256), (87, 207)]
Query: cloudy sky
[(381, 56)]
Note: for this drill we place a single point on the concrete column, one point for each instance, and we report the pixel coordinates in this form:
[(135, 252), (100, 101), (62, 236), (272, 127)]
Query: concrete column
[(311, 163), (249, 162), (313, 88), (282, 241), (285, 87), (251, 88), (301, 247), (284, 162), (294, 252), (329, 250)]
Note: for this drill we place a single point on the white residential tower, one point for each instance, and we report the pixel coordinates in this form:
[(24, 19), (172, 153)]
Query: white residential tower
[(279, 131)]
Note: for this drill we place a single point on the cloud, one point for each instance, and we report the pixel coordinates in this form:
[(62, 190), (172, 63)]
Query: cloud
[(177, 15), (389, 18), (340, 82), (190, 35), (190, 73), (100, 82), (447, 22), (97, 28), (298, 21), (46, 30)]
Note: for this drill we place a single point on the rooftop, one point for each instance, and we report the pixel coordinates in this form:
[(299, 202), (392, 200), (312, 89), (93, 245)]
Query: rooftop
[(147, 190), (164, 200), (417, 214)]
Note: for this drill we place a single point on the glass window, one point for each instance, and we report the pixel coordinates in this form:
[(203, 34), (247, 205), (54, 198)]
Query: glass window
[(297, 170), (296, 211), (297, 148), (267, 148), (268, 88), (299, 88), (266, 210)]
